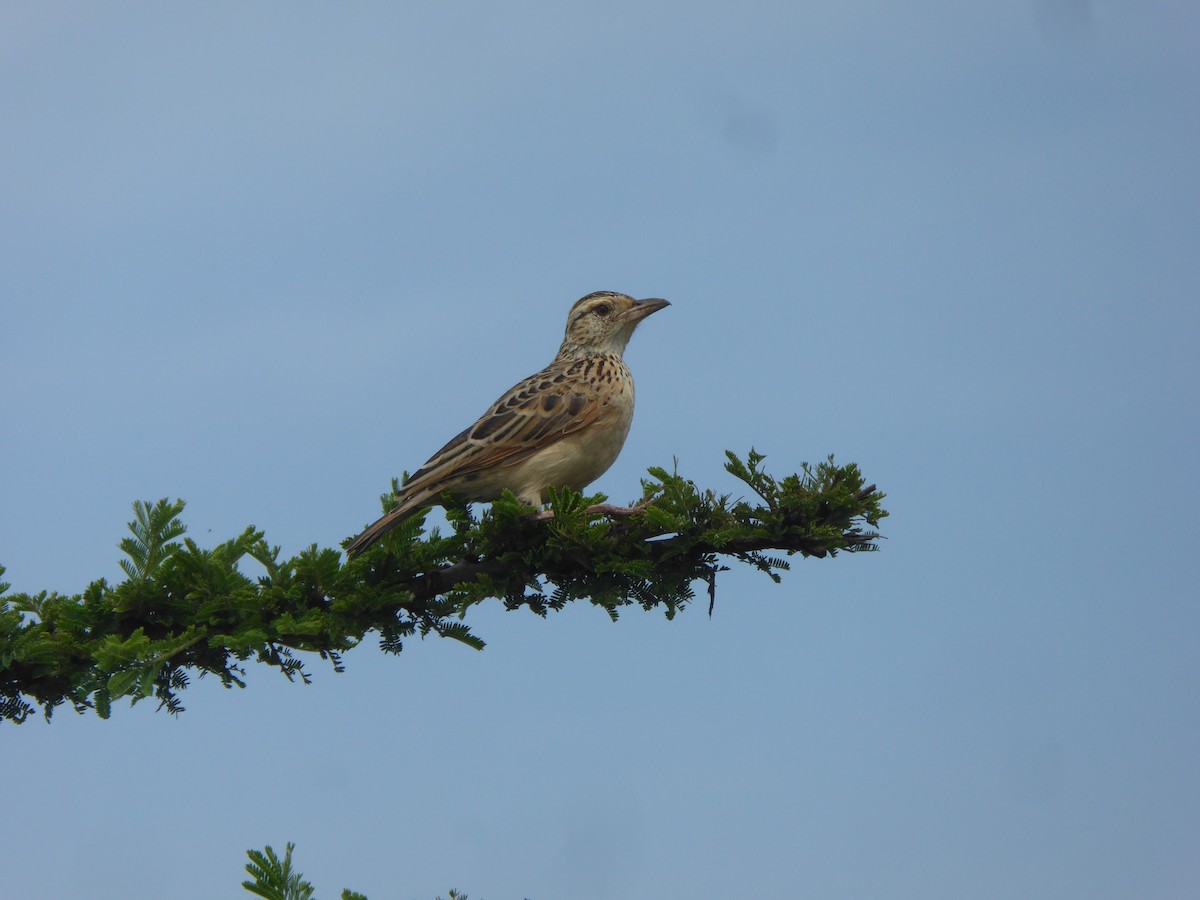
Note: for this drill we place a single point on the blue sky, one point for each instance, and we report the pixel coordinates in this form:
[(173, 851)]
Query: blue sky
[(264, 258)]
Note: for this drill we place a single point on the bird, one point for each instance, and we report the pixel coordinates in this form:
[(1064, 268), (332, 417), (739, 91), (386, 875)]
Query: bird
[(560, 427)]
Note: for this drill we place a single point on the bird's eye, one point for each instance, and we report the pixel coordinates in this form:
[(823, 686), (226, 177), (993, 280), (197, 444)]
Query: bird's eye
[(602, 310)]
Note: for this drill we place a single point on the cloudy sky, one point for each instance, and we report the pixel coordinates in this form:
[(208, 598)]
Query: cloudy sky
[(264, 257)]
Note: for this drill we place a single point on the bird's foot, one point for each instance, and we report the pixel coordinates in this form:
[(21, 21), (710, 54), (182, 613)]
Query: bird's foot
[(603, 509), (615, 512)]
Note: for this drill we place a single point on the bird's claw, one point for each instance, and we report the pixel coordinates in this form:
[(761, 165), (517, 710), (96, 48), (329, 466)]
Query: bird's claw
[(603, 509)]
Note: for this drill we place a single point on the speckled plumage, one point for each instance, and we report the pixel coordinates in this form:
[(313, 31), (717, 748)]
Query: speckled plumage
[(563, 426)]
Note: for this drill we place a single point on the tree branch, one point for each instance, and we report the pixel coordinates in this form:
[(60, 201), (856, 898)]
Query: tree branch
[(185, 609)]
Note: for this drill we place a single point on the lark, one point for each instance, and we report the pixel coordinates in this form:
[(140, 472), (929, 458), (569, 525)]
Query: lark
[(562, 427)]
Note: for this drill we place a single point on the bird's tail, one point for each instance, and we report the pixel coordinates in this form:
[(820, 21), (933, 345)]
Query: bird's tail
[(409, 506)]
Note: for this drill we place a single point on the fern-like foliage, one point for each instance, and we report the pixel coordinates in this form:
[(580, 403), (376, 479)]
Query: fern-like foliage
[(185, 609), (275, 878), (154, 530)]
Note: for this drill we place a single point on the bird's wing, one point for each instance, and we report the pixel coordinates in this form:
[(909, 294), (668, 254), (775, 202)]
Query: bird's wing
[(557, 401), (563, 398)]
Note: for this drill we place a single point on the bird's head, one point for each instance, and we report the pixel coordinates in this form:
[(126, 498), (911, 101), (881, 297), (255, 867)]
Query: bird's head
[(604, 321)]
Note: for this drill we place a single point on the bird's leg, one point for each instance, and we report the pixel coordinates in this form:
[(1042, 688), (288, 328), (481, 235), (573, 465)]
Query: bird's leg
[(604, 509), (615, 512)]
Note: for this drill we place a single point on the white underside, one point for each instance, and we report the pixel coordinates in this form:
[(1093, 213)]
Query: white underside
[(575, 461)]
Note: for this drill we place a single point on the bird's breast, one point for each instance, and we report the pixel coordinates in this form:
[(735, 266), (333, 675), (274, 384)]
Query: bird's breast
[(579, 458)]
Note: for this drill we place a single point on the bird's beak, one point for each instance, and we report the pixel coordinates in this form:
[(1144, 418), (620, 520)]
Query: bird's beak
[(643, 308)]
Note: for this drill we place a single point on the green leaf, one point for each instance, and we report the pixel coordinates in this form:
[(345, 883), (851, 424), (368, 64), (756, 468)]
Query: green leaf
[(154, 531), (121, 683)]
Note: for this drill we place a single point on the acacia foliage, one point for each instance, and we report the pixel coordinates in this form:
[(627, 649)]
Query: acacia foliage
[(276, 878), (184, 609)]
